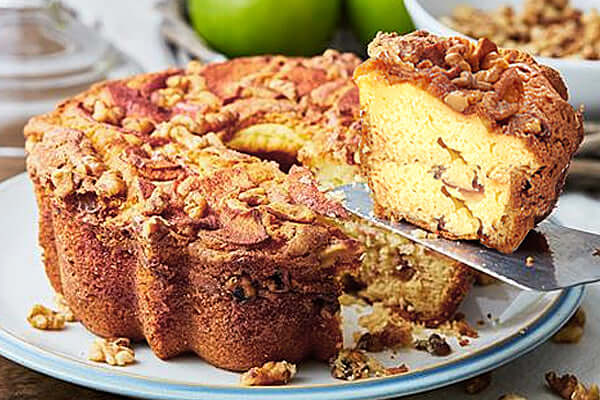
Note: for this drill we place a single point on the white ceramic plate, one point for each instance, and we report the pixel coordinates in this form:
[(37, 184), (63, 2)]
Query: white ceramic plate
[(582, 76), (527, 320)]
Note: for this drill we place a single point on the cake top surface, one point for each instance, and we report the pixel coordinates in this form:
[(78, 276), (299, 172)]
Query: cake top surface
[(149, 150), (507, 88)]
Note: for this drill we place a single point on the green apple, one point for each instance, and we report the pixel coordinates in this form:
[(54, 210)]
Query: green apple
[(367, 17), (248, 27)]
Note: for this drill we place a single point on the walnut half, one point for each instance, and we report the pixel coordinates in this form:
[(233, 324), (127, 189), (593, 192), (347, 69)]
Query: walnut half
[(43, 318), (112, 351), (270, 373)]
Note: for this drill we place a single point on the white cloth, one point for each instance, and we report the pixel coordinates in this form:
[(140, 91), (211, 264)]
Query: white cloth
[(133, 26)]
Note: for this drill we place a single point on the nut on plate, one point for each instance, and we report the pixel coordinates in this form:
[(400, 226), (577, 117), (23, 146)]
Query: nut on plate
[(270, 373), (43, 318), (353, 364), (117, 351)]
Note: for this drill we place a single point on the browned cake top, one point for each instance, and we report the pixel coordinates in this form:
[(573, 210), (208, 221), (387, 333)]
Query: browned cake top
[(148, 151), (506, 87)]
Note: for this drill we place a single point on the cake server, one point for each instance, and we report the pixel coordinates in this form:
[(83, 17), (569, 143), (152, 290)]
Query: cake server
[(552, 256)]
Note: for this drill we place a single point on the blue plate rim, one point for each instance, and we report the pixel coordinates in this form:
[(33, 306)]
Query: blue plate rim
[(109, 381)]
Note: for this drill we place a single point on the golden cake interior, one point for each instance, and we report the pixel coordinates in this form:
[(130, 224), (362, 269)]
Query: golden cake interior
[(445, 167)]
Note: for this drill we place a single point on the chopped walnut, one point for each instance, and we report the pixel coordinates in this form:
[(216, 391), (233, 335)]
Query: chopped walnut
[(168, 97), (254, 197), (103, 113), (195, 205), (573, 329), (185, 120), (435, 345), (63, 308), (62, 179), (291, 212), (478, 384), (43, 318), (116, 351), (142, 125), (459, 326), (547, 28), (271, 373), (457, 100), (156, 203), (353, 364), (110, 184), (390, 337), (178, 82), (569, 387)]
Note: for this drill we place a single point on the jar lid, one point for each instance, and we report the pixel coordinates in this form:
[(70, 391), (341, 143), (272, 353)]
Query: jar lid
[(43, 46)]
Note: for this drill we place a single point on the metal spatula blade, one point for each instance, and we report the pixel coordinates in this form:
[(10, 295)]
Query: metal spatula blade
[(562, 257)]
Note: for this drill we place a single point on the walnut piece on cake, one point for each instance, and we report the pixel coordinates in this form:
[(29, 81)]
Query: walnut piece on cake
[(465, 140), (270, 373)]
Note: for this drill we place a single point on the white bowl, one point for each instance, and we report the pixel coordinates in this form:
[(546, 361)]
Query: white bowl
[(582, 76)]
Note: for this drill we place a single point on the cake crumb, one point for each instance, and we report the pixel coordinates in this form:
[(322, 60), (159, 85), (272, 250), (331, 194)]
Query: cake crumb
[(529, 261), (401, 369), (385, 330), (478, 384), (568, 387), (116, 351), (464, 342), (270, 373), (45, 319), (573, 329), (354, 364), (435, 345), (459, 326)]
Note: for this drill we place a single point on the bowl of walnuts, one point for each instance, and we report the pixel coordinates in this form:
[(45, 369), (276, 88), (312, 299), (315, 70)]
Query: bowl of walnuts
[(564, 34)]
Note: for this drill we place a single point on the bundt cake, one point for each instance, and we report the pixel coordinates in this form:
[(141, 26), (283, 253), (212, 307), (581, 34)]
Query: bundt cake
[(466, 140), (159, 222)]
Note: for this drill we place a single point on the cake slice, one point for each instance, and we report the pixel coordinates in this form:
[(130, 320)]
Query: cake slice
[(465, 140)]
